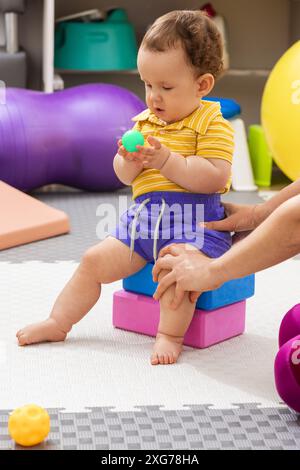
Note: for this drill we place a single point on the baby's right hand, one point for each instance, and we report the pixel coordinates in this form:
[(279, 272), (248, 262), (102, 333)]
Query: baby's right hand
[(129, 156)]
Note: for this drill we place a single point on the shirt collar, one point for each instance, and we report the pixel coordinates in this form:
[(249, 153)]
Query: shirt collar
[(198, 120)]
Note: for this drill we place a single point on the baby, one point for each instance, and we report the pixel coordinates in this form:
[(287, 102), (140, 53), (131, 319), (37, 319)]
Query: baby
[(186, 162)]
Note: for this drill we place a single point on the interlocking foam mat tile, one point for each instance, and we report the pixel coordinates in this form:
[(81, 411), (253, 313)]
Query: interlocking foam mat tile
[(246, 427)]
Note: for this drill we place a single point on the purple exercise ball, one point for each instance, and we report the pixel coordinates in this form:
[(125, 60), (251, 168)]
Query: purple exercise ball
[(67, 137), (290, 325), (287, 373)]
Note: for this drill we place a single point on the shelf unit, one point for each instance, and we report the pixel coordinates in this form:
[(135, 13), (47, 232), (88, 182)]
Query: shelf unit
[(259, 33), (230, 72)]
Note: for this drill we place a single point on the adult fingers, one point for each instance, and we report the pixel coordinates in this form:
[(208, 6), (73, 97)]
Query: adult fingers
[(161, 263), (225, 225), (172, 249), (164, 284)]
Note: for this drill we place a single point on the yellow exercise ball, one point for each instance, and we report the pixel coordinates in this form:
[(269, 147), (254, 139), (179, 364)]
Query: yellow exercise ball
[(280, 112)]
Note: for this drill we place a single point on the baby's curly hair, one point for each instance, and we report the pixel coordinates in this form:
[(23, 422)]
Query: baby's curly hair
[(196, 32)]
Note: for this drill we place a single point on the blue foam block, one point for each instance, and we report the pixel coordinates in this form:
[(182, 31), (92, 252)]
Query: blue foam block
[(230, 293), (229, 108)]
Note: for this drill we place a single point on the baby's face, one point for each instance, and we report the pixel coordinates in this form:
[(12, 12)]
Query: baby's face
[(172, 90)]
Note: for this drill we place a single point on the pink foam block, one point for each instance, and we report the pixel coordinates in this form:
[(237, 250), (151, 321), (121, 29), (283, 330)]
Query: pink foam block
[(140, 313)]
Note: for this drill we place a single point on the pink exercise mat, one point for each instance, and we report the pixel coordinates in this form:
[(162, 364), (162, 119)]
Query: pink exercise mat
[(24, 219)]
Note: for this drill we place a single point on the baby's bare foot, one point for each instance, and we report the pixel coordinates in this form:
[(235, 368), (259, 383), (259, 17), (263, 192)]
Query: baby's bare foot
[(166, 349), (47, 330)]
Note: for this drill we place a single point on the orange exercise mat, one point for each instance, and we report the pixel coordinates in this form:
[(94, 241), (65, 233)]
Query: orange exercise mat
[(24, 219)]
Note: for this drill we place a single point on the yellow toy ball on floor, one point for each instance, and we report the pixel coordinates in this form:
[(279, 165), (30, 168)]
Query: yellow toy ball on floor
[(281, 112), (29, 425)]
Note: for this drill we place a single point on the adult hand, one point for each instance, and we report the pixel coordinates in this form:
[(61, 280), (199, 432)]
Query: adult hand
[(240, 218), (189, 271)]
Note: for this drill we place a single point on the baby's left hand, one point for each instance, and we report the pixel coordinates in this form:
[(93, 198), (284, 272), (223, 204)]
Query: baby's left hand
[(154, 156)]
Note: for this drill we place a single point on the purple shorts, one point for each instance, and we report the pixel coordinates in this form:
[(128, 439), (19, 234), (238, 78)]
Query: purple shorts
[(157, 219)]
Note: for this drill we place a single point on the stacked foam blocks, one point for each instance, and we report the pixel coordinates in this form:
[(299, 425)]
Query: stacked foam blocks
[(219, 314)]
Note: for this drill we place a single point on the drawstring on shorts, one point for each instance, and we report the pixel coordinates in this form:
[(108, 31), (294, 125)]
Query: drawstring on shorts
[(156, 230)]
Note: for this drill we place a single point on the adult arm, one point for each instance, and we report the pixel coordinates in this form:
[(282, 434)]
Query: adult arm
[(247, 217), (275, 240)]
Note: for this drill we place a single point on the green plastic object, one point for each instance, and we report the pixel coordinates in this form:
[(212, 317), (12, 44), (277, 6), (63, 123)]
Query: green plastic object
[(96, 45), (261, 157), (131, 139)]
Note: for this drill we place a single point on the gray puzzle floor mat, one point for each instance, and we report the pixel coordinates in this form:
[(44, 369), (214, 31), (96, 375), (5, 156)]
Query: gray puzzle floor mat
[(198, 427), (246, 427)]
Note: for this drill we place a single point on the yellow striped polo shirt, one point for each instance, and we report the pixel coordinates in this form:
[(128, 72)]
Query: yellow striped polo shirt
[(204, 132)]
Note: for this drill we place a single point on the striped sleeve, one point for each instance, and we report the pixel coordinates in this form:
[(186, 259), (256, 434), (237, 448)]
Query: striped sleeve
[(218, 141)]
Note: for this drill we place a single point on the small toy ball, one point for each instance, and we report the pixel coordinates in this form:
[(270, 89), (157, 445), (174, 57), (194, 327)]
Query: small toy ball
[(131, 139), (29, 425)]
